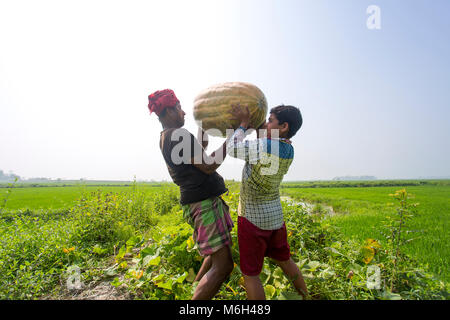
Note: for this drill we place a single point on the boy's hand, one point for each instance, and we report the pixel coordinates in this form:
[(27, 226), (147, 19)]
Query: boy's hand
[(241, 113), (261, 130)]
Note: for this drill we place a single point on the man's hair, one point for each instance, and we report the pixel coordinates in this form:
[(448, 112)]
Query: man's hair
[(289, 114)]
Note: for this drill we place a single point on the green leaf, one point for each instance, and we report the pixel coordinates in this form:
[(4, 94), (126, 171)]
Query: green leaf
[(181, 278), (116, 282), (269, 290), (146, 252), (191, 275), (158, 278), (387, 295), (327, 273), (166, 285), (289, 296), (133, 241), (121, 253), (333, 250), (312, 265), (277, 284), (278, 273), (98, 250), (301, 263), (151, 260)]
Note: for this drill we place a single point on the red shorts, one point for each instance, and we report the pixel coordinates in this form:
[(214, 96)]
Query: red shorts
[(255, 244)]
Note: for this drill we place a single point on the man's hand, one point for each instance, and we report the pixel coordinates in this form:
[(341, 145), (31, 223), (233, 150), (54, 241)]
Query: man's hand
[(241, 113)]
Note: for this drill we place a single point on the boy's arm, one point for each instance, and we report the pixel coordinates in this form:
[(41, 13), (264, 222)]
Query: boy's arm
[(236, 147)]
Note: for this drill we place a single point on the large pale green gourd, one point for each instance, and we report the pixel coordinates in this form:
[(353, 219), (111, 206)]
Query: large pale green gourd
[(212, 107)]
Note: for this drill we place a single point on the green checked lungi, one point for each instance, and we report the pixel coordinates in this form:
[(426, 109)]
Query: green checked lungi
[(212, 224)]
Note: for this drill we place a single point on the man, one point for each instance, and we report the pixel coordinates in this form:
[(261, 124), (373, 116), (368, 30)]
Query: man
[(200, 190)]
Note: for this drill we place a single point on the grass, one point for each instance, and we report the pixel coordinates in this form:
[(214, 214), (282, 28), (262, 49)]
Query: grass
[(50, 196), (362, 211), (38, 245)]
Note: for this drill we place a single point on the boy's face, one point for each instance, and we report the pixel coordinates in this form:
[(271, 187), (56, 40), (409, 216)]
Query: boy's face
[(272, 124)]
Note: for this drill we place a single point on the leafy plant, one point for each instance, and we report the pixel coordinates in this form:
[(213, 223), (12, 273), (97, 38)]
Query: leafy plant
[(398, 231)]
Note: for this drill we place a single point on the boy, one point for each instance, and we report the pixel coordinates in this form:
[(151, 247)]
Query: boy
[(200, 190), (261, 228)]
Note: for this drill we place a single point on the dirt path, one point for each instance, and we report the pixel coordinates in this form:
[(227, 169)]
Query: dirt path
[(94, 290)]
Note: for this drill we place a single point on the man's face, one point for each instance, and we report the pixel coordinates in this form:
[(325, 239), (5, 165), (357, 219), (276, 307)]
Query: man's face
[(180, 115), (176, 116)]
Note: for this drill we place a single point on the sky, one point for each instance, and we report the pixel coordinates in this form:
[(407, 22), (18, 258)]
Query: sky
[(75, 77)]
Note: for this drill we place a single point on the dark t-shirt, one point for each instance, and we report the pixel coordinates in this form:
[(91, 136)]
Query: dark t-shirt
[(195, 185)]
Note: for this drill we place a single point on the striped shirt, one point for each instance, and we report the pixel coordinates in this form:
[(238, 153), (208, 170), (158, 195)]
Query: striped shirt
[(266, 162)]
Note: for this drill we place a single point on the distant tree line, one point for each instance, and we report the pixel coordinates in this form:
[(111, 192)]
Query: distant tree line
[(11, 177), (354, 178), (363, 184), (8, 177)]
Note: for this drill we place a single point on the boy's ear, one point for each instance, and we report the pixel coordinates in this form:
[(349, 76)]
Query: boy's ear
[(285, 128)]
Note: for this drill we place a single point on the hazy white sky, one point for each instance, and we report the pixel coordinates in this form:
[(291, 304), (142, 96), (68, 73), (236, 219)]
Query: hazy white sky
[(75, 76)]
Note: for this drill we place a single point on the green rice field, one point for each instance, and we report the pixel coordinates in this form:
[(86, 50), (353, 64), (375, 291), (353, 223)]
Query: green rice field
[(53, 196), (360, 212), (132, 235)]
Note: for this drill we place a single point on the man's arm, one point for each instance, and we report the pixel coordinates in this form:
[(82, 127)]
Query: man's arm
[(209, 164), (205, 163)]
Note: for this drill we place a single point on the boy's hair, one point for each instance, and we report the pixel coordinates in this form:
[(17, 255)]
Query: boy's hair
[(289, 114)]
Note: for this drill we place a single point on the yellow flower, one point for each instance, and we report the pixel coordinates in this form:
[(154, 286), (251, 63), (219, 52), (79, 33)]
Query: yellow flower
[(372, 243), (190, 242), (68, 250), (137, 275)]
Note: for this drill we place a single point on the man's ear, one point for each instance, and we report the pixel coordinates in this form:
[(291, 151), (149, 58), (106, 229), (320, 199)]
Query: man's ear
[(169, 112)]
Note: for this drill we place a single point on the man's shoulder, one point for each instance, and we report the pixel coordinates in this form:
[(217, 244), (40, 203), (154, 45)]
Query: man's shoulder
[(176, 132)]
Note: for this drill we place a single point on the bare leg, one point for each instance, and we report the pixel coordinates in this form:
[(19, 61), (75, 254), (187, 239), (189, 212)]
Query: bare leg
[(254, 288), (206, 265), (210, 282), (294, 274)]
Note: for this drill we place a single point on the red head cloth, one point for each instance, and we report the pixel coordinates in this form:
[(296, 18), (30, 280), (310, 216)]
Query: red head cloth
[(159, 100)]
